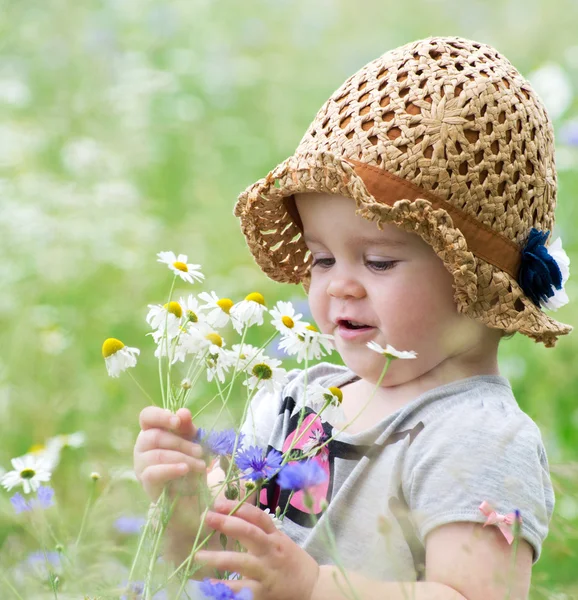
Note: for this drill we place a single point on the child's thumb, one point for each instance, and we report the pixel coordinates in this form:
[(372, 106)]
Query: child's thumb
[(186, 428)]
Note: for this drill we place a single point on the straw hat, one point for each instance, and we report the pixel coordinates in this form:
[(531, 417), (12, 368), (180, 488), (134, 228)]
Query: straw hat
[(443, 138)]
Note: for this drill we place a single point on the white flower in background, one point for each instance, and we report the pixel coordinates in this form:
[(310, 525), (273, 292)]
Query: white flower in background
[(82, 155), (308, 343), (14, 92), (266, 374), (118, 357), (390, 352), (284, 318), (218, 309), (50, 451), (164, 318), (326, 401), (29, 472), (245, 356), (191, 310), (554, 87), (248, 312), (178, 265), (560, 297)]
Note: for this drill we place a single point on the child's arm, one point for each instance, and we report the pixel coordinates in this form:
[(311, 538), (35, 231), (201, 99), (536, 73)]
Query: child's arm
[(464, 561)]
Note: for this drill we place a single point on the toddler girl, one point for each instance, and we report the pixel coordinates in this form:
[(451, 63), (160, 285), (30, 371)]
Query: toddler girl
[(416, 213)]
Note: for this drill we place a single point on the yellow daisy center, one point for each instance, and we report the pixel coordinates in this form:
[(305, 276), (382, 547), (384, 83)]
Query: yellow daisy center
[(192, 317), (174, 308), (288, 322), (215, 338), (36, 449), (262, 371), (312, 328), (225, 304), (111, 346), (27, 473), (337, 393), (256, 297), (181, 266)]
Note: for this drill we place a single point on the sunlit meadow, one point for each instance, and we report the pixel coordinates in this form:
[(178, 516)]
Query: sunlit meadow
[(128, 128)]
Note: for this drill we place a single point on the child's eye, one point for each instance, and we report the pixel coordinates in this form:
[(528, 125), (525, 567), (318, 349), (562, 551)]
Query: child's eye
[(323, 262), (381, 265)]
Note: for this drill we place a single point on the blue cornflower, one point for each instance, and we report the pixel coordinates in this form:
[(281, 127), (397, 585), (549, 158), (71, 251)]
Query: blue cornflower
[(220, 591), (256, 465), (221, 443), (45, 496), (19, 504), (129, 525), (44, 499), (301, 475)]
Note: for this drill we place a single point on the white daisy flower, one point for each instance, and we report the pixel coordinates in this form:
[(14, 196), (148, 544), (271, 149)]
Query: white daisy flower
[(29, 472), (246, 355), (218, 309), (178, 265), (390, 352), (191, 340), (284, 318), (248, 312), (118, 357), (51, 450), (308, 343), (164, 318), (560, 297), (191, 309), (326, 401), (218, 363), (266, 374)]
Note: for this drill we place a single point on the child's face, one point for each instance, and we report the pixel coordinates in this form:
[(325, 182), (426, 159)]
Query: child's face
[(390, 281)]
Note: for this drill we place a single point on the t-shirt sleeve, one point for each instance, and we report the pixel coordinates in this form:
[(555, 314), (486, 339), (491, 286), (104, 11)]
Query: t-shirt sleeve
[(463, 458)]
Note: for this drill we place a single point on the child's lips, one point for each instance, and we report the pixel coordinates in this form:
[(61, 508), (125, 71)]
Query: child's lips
[(354, 334)]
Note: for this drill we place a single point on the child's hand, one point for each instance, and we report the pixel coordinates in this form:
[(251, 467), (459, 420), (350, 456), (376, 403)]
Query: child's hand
[(164, 451), (273, 568)]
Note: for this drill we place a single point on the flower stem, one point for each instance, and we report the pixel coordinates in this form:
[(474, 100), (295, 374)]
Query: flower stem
[(86, 512), (140, 387), (11, 587), (347, 425)]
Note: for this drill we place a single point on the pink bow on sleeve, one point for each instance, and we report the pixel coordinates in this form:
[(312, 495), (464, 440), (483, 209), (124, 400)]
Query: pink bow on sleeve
[(504, 522)]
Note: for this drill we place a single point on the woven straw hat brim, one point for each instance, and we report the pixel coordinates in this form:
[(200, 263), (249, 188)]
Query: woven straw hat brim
[(269, 222)]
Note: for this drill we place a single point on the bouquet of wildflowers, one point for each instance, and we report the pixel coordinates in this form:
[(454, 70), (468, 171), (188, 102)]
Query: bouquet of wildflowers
[(201, 338)]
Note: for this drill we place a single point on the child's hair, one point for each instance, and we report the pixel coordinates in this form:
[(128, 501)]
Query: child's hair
[(443, 138)]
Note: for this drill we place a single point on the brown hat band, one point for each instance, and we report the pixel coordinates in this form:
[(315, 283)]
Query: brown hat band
[(482, 241)]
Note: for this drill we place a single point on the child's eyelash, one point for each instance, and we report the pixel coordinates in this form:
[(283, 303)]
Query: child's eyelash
[(378, 265)]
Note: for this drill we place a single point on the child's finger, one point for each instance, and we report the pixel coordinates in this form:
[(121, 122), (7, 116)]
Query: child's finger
[(247, 512), (156, 417), (155, 477), (151, 439), (249, 535), (187, 428), (170, 457), (245, 564)]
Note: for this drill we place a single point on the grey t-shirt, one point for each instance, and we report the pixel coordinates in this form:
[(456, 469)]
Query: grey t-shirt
[(431, 462)]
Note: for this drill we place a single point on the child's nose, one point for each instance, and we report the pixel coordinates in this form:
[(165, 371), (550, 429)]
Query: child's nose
[(345, 286)]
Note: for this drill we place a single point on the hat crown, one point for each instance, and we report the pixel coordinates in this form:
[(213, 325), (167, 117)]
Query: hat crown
[(456, 118)]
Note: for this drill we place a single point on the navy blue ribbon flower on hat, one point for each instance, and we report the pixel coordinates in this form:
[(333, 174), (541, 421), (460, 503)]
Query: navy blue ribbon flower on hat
[(539, 275)]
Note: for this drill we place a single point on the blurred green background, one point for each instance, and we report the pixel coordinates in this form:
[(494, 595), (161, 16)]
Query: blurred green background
[(128, 127)]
